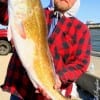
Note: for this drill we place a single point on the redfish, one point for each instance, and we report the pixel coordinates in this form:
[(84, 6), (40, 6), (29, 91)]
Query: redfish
[(28, 29)]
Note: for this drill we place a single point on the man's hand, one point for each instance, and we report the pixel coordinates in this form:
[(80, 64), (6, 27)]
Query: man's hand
[(57, 86), (57, 83), (43, 92)]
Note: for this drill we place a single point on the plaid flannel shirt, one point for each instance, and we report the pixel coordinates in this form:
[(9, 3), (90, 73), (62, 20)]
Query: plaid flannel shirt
[(3, 14), (70, 47)]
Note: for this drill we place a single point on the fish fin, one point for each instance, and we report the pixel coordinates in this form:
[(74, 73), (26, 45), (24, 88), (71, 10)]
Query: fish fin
[(20, 30), (9, 33), (18, 27)]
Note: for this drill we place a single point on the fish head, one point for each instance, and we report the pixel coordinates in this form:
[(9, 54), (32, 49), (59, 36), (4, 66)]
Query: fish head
[(22, 8)]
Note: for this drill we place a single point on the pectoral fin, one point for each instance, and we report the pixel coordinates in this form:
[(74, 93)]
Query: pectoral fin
[(9, 33), (20, 29)]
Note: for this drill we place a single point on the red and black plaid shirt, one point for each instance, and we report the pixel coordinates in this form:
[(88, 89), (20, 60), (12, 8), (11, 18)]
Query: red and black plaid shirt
[(3, 14), (70, 47)]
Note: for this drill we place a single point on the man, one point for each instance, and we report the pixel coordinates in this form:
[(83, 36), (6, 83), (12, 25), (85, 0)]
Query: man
[(69, 42)]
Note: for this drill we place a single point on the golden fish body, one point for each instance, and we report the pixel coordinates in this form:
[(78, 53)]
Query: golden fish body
[(29, 32)]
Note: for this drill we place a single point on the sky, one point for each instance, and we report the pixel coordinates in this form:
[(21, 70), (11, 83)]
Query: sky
[(88, 11)]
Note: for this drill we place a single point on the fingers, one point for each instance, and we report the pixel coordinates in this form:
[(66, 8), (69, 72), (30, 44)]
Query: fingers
[(37, 91), (43, 92), (57, 83), (56, 86)]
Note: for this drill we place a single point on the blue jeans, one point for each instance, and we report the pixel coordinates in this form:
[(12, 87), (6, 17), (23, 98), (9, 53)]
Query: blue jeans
[(13, 97)]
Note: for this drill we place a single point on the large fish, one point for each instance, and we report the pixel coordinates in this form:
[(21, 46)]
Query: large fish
[(29, 32)]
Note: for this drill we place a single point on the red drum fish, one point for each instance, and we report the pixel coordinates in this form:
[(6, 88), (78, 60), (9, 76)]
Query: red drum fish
[(28, 29)]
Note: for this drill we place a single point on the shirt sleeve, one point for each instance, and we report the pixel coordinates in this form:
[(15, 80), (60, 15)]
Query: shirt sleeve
[(71, 59), (3, 13), (81, 58)]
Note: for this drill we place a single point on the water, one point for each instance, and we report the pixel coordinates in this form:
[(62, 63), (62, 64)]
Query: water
[(95, 33), (84, 95)]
